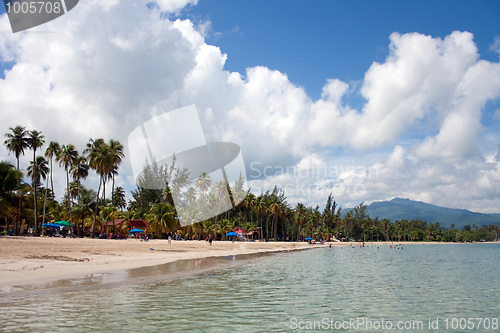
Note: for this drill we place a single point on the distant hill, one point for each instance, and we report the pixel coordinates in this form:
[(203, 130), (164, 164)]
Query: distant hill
[(399, 209)]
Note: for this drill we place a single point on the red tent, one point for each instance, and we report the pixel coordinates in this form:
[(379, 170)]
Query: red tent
[(139, 224)]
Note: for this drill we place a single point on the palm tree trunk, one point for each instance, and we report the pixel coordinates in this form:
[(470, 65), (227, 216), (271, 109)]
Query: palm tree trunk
[(68, 197), (51, 178), (96, 206), (34, 181), (113, 191), (36, 210), (45, 202)]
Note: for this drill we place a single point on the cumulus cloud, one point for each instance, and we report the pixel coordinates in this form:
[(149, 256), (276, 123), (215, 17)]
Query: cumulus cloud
[(107, 64), (495, 45)]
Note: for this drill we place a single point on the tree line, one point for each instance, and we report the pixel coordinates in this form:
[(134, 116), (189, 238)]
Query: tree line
[(268, 215)]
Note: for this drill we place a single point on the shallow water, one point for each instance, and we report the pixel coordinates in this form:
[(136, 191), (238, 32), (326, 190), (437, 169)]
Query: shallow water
[(322, 288)]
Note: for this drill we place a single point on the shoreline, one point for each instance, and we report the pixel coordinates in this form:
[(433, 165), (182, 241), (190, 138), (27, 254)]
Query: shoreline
[(35, 262)]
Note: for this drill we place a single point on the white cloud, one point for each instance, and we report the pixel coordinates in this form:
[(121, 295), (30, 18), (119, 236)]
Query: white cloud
[(107, 64), (495, 45), (173, 6)]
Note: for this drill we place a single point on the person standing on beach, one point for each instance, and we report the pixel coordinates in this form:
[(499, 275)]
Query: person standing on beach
[(210, 239), (169, 237)]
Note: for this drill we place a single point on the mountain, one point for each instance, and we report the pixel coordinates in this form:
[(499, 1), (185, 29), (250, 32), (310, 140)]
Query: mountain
[(399, 209)]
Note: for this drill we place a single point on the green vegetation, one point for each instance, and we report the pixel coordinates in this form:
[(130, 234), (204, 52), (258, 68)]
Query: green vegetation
[(268, 215)]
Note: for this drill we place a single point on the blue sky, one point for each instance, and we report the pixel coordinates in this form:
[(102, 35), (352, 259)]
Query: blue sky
[(381, 99), (313, 41)]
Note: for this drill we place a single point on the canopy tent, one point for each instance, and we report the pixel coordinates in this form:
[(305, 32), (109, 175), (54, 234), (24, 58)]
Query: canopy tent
[(115, 222), (134, 224), (252, 235), (139, 224)]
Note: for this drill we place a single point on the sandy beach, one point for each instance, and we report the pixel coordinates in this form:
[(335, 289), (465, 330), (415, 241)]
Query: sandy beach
[(38, 260)]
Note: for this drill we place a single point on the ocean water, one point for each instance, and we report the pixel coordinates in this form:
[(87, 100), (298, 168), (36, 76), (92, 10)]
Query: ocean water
[(417, 288)]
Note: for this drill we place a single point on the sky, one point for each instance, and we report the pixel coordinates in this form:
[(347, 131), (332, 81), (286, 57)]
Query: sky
[(367, 100)]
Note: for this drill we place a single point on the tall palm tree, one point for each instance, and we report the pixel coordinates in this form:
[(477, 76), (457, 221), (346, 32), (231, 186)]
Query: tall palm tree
[(300, 217), (276, 211), (52, 151), (66, 157), (17, 141), (117, 155), (35, 141), (79, 170), (37, 170), (261, 208), (101, 160)]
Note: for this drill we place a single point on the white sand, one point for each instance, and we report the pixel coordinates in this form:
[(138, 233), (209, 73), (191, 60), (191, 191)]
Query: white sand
[(35, 260)]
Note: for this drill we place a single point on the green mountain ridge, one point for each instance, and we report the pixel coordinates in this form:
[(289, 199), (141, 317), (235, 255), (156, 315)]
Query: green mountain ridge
[(399, 209)]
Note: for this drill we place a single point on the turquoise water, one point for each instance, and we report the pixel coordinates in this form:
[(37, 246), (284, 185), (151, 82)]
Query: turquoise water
[(441, 286)]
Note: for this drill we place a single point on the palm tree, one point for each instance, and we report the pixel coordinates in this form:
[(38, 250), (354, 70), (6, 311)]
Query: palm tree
[(66, 157), (119, 198), (117, 155), (84, 204), (161, 216), (300, 217), (203, 182), (102, 161), (79, 170), (276, 211), (35, 141), (51, 151), (260, 208), (108, 214), (10, 181), (17, 141), (37, 170)]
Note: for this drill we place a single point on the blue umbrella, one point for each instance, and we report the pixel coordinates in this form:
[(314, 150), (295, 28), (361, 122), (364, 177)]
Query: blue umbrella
[(50, 225), (232, 233), (133, 231), (309, 238)]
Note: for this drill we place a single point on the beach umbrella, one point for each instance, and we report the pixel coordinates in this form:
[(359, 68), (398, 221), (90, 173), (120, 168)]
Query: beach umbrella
[(232, 233), (309, 238), (66, 223), (50, 225), (133, 231)]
